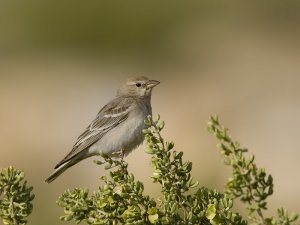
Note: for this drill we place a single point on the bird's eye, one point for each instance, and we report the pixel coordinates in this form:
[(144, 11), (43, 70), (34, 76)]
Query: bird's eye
[(138, 84)]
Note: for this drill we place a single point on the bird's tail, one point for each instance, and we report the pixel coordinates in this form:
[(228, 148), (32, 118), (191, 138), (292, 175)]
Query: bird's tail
[(66, 165), (62, 168)]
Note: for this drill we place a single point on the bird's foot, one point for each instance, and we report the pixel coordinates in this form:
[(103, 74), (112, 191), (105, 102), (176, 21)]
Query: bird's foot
[(122, 154)]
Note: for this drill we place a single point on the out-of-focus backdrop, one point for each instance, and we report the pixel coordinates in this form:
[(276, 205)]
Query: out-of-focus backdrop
[(61, 61)]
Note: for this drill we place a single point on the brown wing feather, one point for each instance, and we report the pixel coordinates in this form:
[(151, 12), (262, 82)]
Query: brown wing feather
[(110, 116)]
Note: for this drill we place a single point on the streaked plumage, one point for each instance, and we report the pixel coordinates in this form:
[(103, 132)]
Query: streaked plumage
[(118, 125)]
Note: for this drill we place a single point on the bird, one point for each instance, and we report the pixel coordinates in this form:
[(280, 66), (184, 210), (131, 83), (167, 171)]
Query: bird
[(117, 127)]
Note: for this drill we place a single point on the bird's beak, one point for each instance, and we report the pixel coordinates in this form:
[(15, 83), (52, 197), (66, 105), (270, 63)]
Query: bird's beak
[(152, 83)]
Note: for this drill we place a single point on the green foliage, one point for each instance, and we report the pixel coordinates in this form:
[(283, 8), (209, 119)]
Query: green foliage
[(121, 199), (15, 197), (247, 182), (175, 178)]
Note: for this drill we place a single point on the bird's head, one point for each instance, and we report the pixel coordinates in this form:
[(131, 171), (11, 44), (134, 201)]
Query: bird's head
[(138, 86)]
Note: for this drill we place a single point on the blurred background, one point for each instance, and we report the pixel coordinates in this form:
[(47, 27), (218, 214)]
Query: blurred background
[(61, 61)]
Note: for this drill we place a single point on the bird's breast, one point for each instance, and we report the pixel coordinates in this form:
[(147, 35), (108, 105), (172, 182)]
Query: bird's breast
[(128, 135)]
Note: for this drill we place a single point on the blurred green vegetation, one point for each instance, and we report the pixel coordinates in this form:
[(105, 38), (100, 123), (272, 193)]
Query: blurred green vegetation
[(103, 27)]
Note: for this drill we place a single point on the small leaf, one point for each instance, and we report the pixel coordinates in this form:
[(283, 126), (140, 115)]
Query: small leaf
[(152, 211), (153, 218), (293, 217), (210, 211)]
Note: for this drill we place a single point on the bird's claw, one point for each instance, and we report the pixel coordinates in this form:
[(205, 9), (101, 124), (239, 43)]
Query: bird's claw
[(122, 153)]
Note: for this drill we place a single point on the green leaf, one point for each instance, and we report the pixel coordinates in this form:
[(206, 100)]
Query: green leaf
[(210, 212), (153, 218), (293, 217), (152, 211)]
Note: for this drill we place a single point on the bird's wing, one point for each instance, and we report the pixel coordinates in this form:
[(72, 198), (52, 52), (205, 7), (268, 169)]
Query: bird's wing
[(110, 116)]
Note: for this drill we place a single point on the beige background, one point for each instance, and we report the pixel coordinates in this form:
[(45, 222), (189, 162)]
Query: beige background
[(61, 62)]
